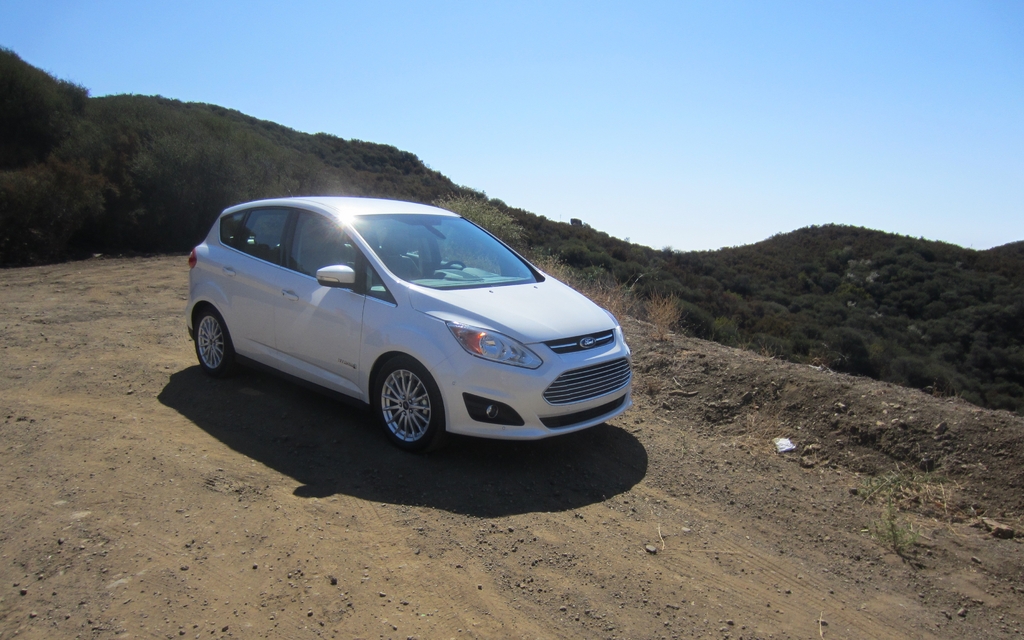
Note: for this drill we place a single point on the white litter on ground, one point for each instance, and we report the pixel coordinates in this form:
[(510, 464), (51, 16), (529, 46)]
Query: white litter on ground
[(784, 445)]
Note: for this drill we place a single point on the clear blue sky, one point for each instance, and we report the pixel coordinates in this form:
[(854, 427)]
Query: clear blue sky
[(690, 125)]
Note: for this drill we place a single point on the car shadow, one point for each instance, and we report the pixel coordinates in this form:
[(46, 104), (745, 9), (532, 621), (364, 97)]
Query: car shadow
[(332, 448)]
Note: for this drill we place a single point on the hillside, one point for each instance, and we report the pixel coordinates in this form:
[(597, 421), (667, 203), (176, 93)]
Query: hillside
[(137, 174), (919, 313), (148, 174)]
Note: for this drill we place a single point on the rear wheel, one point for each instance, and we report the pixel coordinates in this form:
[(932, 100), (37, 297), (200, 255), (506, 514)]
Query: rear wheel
[(213, 344), (408, 404)]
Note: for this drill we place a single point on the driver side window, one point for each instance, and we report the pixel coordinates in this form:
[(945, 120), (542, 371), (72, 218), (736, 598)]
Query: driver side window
[(319, 242)]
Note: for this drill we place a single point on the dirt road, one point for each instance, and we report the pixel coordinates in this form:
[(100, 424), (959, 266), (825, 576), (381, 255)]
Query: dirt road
[(141, 499)]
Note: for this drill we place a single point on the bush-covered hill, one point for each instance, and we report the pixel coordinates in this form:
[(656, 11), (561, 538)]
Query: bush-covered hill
[(915, 312), (908, 311), (139, 173), (147, 174), (911, 311)]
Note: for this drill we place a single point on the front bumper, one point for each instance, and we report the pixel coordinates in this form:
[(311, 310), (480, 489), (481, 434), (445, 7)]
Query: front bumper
[(522, 390)]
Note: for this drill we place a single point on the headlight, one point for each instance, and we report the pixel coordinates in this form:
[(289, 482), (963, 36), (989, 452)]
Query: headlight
[(491, 345)]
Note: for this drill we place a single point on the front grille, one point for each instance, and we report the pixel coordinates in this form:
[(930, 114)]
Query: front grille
[(594, 381), (571, 345)]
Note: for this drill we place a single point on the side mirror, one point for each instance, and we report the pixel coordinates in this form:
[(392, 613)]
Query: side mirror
[(336, 275)]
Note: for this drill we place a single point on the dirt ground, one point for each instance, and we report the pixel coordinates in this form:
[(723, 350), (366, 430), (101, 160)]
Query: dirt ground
[(142, 499)]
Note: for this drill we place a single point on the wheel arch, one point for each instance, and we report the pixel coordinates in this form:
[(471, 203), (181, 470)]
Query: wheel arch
[(379, 363), (383, 358), (197, 308), (205, 291)]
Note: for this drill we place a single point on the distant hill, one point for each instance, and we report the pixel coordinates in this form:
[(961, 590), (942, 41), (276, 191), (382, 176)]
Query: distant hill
[(125, 174)]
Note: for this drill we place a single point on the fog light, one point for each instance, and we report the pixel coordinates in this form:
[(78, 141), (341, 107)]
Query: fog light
[(491, 411)]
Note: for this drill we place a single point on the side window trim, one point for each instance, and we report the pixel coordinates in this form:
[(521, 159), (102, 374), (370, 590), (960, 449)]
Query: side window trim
[(366, 278), (286, 240)]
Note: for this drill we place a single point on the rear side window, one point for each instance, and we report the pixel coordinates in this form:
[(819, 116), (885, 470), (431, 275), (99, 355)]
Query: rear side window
[(262, 234), (231, 229)]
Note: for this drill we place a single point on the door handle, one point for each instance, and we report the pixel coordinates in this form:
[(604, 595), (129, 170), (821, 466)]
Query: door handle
[(229, 271), (291, 295)]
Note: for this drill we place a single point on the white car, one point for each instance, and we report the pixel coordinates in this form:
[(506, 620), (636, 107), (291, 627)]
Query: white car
[(415, 311)]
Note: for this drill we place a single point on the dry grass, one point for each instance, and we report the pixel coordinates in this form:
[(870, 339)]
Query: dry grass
[(613, 297), (760, 428), (553, 266), (768, 351), (908, 490), (663, 312), (943, 389), (905, 491), (653, 385)]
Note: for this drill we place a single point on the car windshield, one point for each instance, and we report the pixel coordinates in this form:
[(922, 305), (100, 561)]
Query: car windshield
[(441, 252)]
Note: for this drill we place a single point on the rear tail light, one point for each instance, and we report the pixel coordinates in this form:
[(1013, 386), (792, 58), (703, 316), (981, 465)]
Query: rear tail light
[(192, 260)]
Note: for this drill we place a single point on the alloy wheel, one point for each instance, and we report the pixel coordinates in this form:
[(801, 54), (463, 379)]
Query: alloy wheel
[(405, 404), (210, 342)]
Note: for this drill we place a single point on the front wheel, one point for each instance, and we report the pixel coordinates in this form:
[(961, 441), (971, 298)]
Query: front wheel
[(213, 344), (408, 405)]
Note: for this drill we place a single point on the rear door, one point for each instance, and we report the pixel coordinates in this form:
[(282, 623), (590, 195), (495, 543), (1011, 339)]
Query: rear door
[(256, 277)]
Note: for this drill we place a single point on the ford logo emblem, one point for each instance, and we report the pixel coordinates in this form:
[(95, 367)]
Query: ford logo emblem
[(586, 343)]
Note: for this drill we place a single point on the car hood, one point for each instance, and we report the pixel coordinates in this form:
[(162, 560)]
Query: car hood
[(529, 313)]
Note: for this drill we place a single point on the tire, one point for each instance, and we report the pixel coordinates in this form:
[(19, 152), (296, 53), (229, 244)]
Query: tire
[(214, 350), (408, 405)]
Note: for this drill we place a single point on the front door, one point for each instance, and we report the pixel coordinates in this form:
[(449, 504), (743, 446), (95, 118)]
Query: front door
[(318, 329)]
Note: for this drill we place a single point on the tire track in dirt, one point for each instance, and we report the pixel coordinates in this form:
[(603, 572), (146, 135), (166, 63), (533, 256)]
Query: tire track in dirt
[(760, 582), (401, 551), (787, 590), (746, 578)]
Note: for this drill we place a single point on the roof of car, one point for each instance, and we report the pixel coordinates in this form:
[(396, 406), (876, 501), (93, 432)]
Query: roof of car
[(344, 206)]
